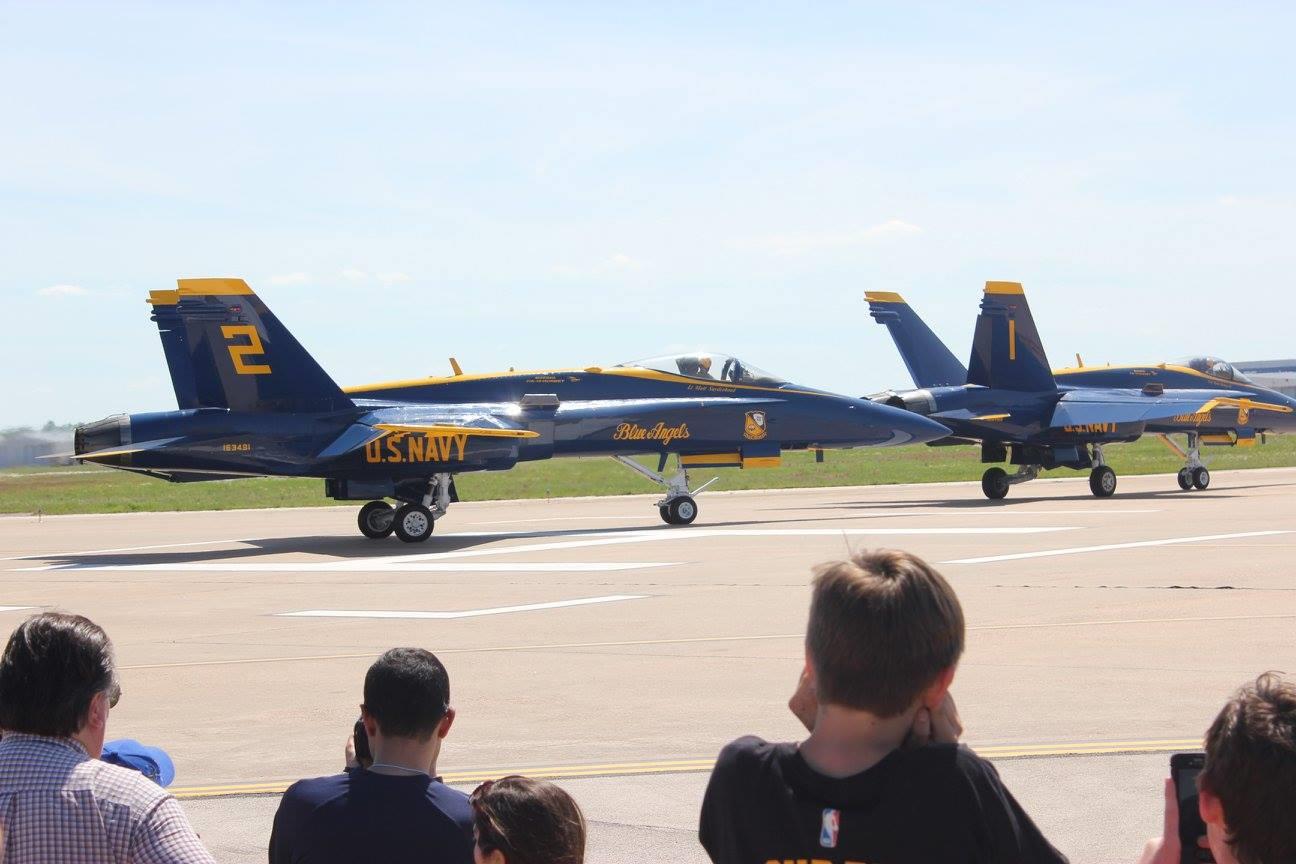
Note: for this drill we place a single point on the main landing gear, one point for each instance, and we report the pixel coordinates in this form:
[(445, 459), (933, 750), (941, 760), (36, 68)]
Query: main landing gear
[(1194, 474), (412, 521), (995, 482), (678, 507)]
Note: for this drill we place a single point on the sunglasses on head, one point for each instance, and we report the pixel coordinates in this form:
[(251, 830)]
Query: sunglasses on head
[(114, 695)]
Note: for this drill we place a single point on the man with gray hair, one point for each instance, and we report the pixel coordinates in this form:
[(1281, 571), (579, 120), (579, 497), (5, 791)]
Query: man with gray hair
[(58, 802)]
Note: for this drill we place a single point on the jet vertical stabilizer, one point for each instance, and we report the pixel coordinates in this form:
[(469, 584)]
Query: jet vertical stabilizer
[(226, 349), (929, 362), (1006, 351)]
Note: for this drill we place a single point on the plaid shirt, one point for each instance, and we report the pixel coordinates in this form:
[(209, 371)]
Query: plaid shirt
[(59, 806)]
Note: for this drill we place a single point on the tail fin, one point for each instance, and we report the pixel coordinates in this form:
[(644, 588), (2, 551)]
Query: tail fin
[(1006, 350), (929, 362), (226, 349)]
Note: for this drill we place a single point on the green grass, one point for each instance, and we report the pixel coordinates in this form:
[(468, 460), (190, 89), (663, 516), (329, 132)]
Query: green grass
[(99, 490)]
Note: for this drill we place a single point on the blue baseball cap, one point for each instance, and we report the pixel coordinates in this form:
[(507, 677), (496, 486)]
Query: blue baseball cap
[(152, 762)]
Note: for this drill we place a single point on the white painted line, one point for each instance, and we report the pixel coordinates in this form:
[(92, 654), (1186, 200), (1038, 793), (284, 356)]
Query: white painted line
[(361, 565), (466, 613), (659, 535), (1080, 550), (41, 556), (559, 519), (15, 608)]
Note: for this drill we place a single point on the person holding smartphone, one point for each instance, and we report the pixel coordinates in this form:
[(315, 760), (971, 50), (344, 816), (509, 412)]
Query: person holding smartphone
[(1246, 788)]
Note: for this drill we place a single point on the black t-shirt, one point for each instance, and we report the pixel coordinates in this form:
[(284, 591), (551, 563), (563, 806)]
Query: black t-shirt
[(364, 816), (928, 805)]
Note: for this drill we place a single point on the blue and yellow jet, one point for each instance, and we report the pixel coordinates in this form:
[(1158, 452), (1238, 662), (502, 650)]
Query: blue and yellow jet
[(253, 402), (1020, 411)]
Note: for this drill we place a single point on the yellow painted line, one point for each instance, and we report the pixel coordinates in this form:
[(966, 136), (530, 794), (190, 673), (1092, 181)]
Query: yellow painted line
[(693, 766)]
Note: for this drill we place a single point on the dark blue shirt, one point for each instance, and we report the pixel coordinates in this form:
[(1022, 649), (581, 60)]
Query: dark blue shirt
[(363, 816)]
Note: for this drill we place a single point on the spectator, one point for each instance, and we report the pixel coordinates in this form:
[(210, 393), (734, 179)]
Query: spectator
[(397, 809), (58, 802), (1248, 784), (884, 637), (518, 820)]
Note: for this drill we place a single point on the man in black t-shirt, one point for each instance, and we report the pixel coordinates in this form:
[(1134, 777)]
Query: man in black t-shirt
[(395, 810), (885, 635)]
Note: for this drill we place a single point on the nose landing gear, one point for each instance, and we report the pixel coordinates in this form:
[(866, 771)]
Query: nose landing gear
[(679, 506), (1194, 474)]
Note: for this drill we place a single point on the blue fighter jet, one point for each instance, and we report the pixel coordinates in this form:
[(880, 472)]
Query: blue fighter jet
[(252, 402), (1019, 411)]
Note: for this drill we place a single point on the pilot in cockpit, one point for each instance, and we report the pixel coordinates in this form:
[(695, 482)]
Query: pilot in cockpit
[(694, 366)]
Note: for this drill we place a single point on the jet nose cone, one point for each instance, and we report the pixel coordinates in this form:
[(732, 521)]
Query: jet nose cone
[(919, 429)]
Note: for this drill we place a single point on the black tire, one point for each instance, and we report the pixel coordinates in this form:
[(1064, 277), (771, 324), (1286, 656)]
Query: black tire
[(682, 511), (664, 511), (1185, 479), (413, 523), (1102, 482), (994, 483), (377, 520), (1200, 477)]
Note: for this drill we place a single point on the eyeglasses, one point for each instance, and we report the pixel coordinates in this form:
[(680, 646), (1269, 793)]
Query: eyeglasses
[(114, 695)]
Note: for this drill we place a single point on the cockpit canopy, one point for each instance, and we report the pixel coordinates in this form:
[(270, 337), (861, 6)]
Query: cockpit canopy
[(1214, 367), (709, 366)]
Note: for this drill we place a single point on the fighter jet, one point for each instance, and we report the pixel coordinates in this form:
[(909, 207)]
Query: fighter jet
[(253, 402), (1019, 411)]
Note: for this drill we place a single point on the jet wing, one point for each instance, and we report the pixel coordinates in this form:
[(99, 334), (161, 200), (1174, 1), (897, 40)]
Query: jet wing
[(382, 423), (1083, 407)]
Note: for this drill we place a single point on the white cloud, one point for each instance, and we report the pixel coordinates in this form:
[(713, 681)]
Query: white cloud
[(296, 278), (802, 242), (355, 275), (393, 277), (63, 291)]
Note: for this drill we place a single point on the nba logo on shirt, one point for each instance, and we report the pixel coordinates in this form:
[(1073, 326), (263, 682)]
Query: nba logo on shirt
[(828, 831)]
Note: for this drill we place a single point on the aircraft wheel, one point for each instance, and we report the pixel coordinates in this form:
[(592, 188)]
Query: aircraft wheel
[(1185, 479), (994, 483), (1102, 481), (682, 511), (413, 523), (1201, 477), (377, 520), (664, 511)]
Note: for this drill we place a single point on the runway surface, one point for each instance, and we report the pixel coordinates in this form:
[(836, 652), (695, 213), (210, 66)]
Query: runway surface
[(586, 641)]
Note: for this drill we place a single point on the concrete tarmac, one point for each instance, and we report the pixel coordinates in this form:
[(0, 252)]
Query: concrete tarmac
[(588, 642)]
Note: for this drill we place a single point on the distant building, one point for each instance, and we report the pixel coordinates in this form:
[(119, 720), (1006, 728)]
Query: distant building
[(1277, 375), (24, 446)]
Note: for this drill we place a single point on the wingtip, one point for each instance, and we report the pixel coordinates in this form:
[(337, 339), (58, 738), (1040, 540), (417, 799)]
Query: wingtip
[(1004, 288), (883, 297), (222, 286)]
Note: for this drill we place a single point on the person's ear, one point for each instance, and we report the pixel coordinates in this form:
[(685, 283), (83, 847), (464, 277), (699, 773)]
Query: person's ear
[(494, 856), (370, 724), (1210, 807), (935, 694), (443, 729), (97, 713)]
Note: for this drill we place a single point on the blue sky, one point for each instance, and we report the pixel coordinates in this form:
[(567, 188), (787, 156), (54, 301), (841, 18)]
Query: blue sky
[(552, 184)]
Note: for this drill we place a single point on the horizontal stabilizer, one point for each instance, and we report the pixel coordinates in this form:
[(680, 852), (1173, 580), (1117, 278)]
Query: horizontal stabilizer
[(138, 447), (929, 362)]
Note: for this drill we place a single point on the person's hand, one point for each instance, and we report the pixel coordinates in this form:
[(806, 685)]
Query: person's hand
[(1166, 849), (804, 703), (349, 752), (942, 726)]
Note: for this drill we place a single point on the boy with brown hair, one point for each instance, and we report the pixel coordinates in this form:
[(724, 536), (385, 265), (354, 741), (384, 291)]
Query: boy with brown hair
[(885, 635), (1248, 784)]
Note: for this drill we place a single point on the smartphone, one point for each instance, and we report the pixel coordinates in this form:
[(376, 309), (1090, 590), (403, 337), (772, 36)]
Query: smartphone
[(1184, 768), (362, 743)]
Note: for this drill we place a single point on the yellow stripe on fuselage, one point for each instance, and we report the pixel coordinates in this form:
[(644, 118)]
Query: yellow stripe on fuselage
[(622, 372)]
